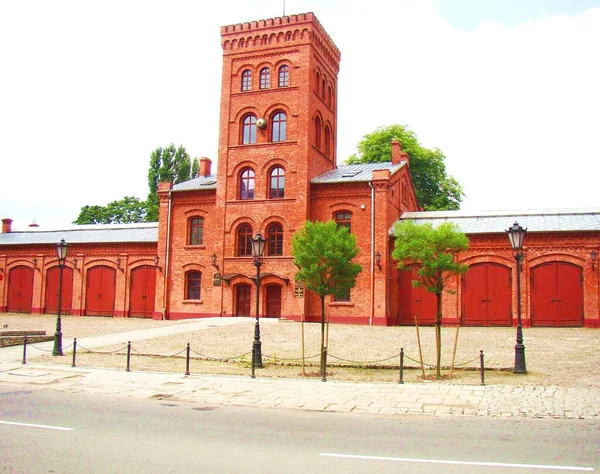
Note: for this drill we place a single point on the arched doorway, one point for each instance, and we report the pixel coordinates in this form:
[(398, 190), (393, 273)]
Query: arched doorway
[(100, 291), (20, 290), (242, 300), (142, 292), (486, 295), (415, 302), (557, 294), (52, 281), (273, 307)]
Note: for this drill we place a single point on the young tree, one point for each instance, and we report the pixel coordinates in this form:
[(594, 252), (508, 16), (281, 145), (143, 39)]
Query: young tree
[(433, 252), (125, 211), (435, 189), (323, 253)]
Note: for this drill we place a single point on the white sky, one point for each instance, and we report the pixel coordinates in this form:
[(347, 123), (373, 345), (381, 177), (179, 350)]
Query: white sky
[(509, 90)]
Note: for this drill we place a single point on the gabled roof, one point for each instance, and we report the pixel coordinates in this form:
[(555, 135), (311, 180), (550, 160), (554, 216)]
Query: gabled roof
[(355, 173), (85, 234), (488, 222), (201, 182)]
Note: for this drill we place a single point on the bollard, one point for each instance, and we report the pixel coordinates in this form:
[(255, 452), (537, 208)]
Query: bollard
[(401, 379), (482, 370), (128, 356), (187, 360), (252, 373), (74, 351), (324, 366), (25, 350)]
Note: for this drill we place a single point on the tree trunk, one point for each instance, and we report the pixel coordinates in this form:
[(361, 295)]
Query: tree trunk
[(438, 336), (323, 360)]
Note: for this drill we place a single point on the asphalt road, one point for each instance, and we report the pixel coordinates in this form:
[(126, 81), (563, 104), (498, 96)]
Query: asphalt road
[(50, 431)]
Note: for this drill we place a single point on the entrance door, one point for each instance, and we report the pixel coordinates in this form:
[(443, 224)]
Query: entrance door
[(486, 295), (242, 300), (273, 301), (415, 301), (100, 291), (557, 295), (143, 285), (20, 290), (52, 279)]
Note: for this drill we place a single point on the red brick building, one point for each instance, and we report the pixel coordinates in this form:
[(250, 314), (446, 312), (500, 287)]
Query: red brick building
[(276, 169)]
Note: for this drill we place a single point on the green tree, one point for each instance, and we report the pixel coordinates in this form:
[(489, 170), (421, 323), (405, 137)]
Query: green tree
[(323, 253), (167, 164), (432, 252), (435, 189), (125, 211)]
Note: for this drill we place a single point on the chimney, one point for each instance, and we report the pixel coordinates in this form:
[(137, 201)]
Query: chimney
[(397, 154), (6, 225), (204, 167)]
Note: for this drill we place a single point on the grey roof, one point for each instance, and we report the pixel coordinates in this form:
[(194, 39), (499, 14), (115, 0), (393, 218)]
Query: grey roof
[(84, 234), (201, 182), (353, 173), (491, 222)]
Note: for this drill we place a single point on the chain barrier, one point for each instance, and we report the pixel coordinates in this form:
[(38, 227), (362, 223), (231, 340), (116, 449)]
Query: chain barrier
[(276, 358), (39, 348), (221, 358), (362, 362)]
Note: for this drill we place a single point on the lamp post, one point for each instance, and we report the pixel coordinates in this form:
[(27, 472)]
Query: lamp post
[(516, 235), (61, 251), (258, 248)]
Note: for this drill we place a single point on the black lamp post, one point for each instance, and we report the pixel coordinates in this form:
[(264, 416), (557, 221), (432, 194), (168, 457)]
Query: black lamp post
[(516, 235), (258, 248), (61, 251)]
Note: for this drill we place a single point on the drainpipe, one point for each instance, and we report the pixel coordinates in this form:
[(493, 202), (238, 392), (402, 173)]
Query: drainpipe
[(372, 311), (167, 258)]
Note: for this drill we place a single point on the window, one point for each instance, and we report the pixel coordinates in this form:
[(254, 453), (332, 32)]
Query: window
[(278, 127), (329, 101), (318, 132), (244, 241), (275, 239), (247, 184), (249, 130), (276, 183), (284, 76), (265, 78), (343, 219), (344, 298), (323, 89), (327, 140), (318, 82), (247, 80), (196, 231), (192, 285)]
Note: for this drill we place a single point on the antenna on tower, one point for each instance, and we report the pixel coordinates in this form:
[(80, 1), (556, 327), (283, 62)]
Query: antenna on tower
[(283, 7)]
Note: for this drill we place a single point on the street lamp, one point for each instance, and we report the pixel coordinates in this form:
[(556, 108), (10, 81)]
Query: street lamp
[(516, 235), (61, 251), (258, 248)]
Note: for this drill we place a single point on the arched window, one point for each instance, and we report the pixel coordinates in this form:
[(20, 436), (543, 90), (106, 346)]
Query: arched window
[(323, 89), (265, 78), (193, 282), (247, 184), (246, 80), (278, 127), (249, 130), (195, 231), (275, 239), (343, 219), (318, 82), (327, 140), (329, 95), (284, 76), (318, 132), (244, 241), (276, 183)]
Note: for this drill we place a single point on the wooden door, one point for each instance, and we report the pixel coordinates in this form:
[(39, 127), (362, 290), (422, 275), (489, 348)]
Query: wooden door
[(486, 295), (142, 292), (20, 290), (242, 300), (51, 300), (273, 293), (415, 301), (557, 295), (100, 291)]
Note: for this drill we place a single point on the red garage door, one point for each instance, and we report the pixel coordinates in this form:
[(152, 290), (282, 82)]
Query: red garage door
[(143, 286), (486, 295), (100, 292), (273, 309), (415, 301), (20, 290), (52, 279), (242, 300), (557, 295)]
